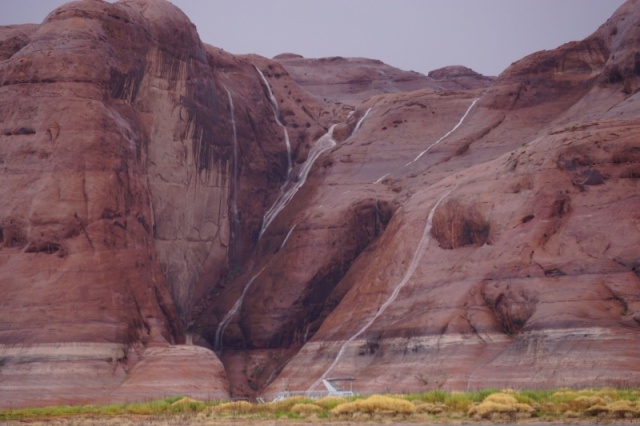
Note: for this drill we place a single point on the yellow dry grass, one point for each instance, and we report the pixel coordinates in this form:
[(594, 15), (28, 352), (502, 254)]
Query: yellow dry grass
[(305, 409), (583, 402), (500, 404), (185, 400), (501, 398), (564, 394), (235, 407), (284, 405), (622, 409), (329, 402), (429, 407), (375, 404)]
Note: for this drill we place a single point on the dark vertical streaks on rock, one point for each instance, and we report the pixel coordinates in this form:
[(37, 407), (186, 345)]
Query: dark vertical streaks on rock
[(125, 85), (368, 220), (457, 225), (208, 130)]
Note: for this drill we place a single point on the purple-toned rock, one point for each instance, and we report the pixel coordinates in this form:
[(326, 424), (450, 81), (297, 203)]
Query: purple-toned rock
[(180, 220)]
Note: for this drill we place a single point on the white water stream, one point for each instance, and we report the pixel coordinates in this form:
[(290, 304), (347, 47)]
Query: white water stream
[(287, 237), (323, 144), (381, 178), (446, 135), (217, 344), (276, 114), (422, 245), (359, 123), (234, 182)]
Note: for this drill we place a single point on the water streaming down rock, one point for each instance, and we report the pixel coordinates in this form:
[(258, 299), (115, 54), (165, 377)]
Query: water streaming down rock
[(287, 237), (234, 181), (276, 114), (422, 245), (381, 178), (446, 135), (223, 324), (323, 144), (359, 123)]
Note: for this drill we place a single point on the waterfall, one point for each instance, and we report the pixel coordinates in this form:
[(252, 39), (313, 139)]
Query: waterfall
[(323, 144), (223, 324), (276, 114), (234, 182), (422, 245), (446, 135), (359, 123), (287, 237), (381, 178)]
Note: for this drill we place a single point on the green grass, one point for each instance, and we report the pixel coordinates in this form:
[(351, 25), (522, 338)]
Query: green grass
[(486, 404), (164, 406)]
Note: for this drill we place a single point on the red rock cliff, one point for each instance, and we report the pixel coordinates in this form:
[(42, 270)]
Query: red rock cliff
[(165, 199)]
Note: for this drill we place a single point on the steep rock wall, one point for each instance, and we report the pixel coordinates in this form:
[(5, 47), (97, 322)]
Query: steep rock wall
[(522, 224), (161, 192), (84, 286)]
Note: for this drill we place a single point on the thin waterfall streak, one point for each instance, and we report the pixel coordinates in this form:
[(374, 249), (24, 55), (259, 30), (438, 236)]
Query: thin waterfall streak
[(446, 135), (381, 178), (359, 123), (306, 335), (234, 207), (276, 114), (223, 324), (287, 237), (422, 245), (323, 144)]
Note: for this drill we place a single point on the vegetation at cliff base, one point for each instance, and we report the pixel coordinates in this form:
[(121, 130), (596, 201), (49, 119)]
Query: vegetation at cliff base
[(606, 404)]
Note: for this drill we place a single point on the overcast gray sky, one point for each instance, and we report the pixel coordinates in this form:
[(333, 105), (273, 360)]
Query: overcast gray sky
[(419, 35)]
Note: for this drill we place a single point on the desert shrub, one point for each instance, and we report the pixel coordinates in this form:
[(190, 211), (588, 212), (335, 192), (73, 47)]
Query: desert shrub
[(284, 405), (500, 403), (501, 398), (304, 409), (583, 402), (183, 401), (330, 402), (186, 404), (234, 407), (596, 410), (622, 409), (429, 407), (607, 393), (375, 404), (559, 403), (564, 395)]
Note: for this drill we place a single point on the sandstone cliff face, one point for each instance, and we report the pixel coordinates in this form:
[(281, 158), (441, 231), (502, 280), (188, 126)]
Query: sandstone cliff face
[(134, 192), (512, 251), (165, 199), (90, 101)]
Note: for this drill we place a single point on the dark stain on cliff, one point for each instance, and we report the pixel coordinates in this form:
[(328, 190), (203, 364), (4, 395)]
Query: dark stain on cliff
[(208, 132), (368, 220), (125, 85), (458, 225)]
